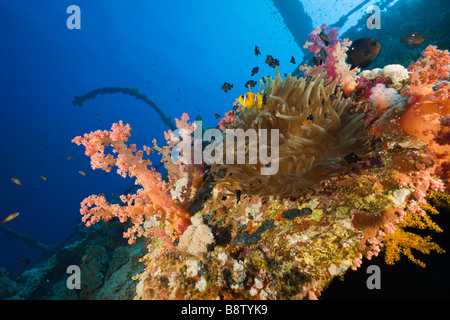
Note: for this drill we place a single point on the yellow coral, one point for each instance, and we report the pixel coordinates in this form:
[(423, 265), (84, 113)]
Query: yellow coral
[(439, 199), (402, 242)]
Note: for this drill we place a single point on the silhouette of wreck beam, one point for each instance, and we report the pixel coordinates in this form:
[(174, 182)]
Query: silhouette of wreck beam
[(30, 241), (126, 91)]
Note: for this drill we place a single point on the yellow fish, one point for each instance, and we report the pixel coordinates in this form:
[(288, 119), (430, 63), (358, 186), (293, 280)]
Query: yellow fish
[(17, 181), (82, 173), (251, 100), (10, 217), (44, 178)]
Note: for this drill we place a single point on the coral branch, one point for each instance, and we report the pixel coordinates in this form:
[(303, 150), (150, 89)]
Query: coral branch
[(152, 199)]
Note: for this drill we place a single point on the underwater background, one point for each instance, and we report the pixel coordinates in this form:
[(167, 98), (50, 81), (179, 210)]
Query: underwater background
[(178, 54)]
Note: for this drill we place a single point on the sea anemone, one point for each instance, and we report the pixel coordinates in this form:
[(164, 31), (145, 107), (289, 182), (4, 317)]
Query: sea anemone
[(318, 138)]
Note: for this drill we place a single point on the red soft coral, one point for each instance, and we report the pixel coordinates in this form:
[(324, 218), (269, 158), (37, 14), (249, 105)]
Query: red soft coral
[(364, 86)]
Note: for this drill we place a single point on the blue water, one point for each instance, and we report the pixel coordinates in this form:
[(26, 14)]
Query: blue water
[(178, 53)]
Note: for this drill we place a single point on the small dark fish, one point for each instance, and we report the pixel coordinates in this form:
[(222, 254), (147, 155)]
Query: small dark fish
[(322, 55), (255, 71), (293, 60), (272, 62), (414, 38), (362, 52), (291, 214), (217, 116), (250, 83), (333, 96), (25, 262), (275, 63), (324, 38), (264, 98), (257, 52), (352, 158), (310, 117), (316, 61), (235, 107), (227, 86)]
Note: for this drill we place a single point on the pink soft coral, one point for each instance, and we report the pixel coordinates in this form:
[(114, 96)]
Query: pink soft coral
[(423, 73), (384, 98), (152, 199), (334, 64), (364, 86)]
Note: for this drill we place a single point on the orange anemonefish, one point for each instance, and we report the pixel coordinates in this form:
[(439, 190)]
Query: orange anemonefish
[(251, 100)]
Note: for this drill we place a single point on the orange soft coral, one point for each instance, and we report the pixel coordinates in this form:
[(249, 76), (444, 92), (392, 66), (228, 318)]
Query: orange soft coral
[(152, 199), (429, 106), (426, 118), (426, 71)]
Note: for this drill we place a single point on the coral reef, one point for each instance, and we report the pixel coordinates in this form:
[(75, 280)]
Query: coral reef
[(352, 182), (108, 264), (8, 287), (151, 200), (429, 104)]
